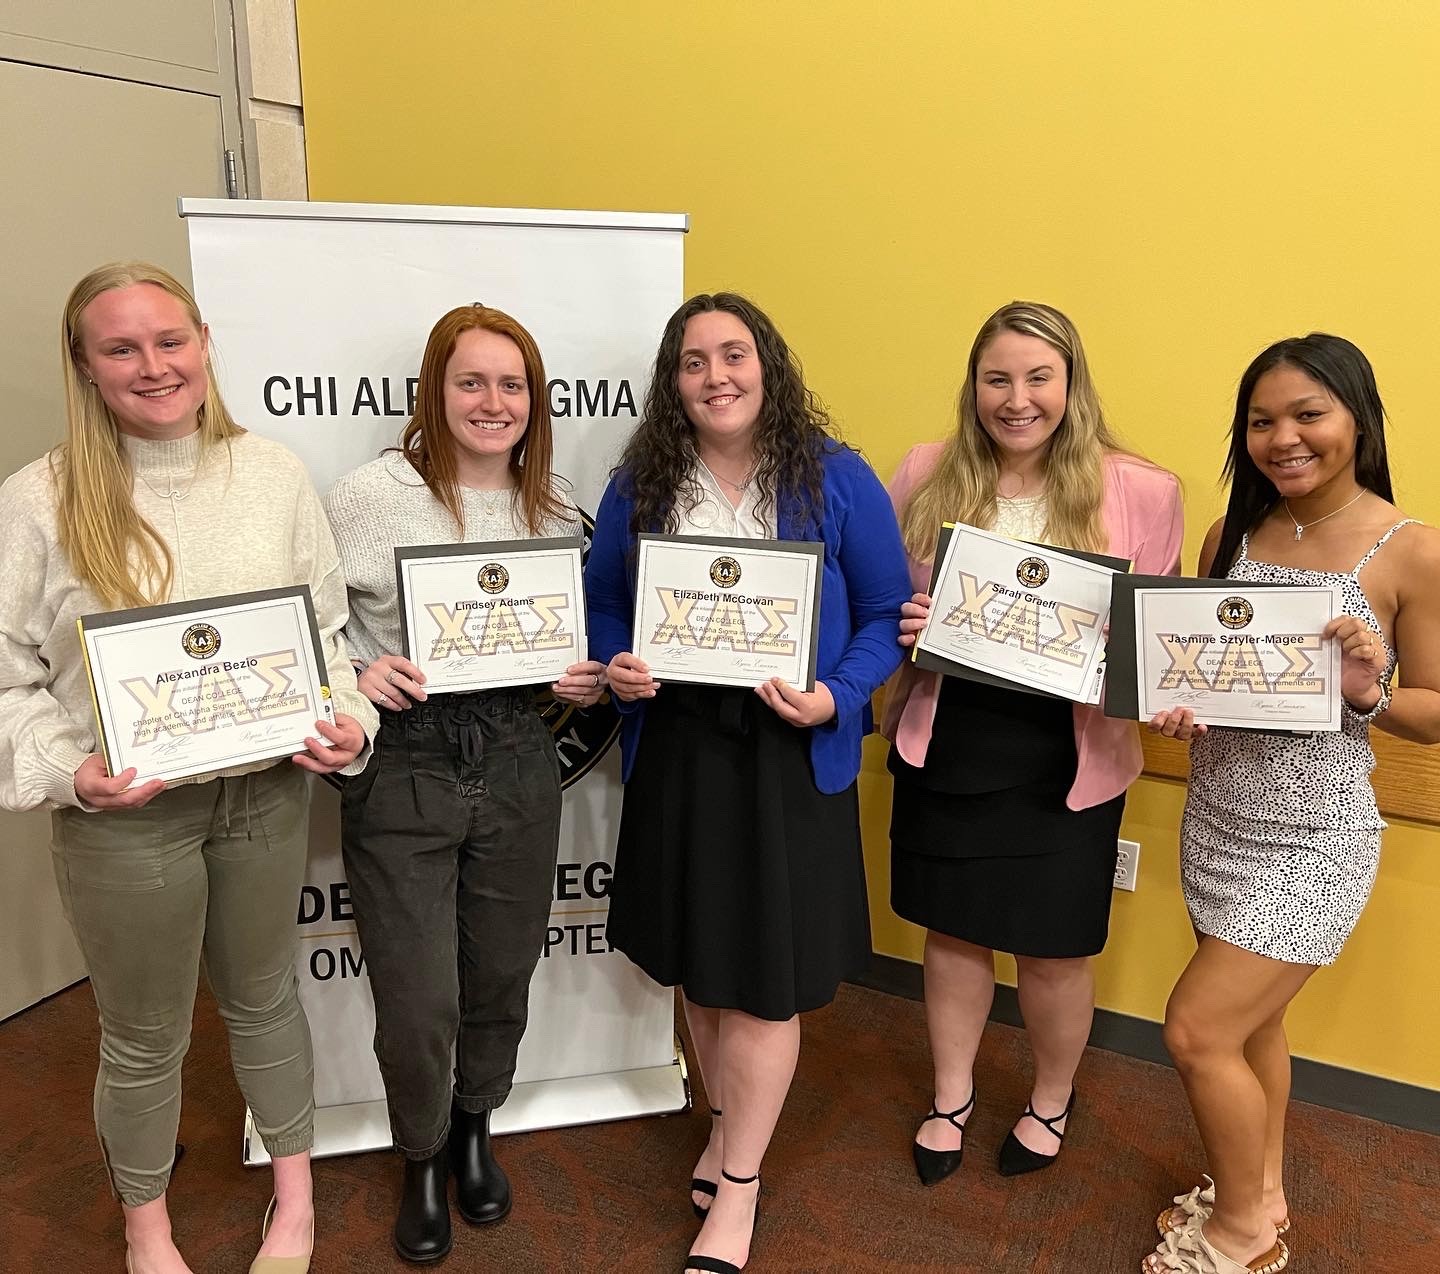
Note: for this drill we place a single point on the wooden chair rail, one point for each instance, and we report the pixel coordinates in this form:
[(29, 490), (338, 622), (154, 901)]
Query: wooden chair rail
[(1406, 778)]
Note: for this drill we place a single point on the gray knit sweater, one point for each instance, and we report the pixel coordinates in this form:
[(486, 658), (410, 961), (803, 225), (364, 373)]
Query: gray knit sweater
[(385, 504), (243, 517)]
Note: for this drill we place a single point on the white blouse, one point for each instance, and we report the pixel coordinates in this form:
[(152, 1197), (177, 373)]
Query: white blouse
[(713, 514)]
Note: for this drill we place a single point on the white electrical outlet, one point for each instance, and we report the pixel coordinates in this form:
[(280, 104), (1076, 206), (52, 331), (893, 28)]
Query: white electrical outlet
[(1127, 864)]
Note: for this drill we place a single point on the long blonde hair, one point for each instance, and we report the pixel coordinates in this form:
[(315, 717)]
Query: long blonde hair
[(110, 546), (961, 488)]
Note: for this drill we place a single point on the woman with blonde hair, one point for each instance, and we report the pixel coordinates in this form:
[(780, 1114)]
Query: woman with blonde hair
[(1007, 804), (450, 835), (157, 495)]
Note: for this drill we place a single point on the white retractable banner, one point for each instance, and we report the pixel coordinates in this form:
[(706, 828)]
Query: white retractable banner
[(318, 316)]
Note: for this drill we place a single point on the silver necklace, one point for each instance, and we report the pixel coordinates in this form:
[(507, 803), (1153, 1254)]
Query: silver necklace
[(174, 493), (1302, 527), (734, 486)]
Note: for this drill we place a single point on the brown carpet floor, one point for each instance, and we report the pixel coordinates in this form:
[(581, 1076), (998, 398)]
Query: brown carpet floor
[(840, 1191)]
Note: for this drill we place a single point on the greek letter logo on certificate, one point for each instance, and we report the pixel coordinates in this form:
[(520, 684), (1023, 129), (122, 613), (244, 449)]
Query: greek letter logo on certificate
[(493, 577), (1032, 572), (1235, 612), (725, 572), (201, 641)]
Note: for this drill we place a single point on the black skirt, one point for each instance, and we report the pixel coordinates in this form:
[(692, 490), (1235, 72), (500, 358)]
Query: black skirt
[(1054, 905), (982, 845), (735, 876)]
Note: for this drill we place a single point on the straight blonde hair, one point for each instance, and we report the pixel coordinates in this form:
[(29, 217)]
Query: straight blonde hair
[(110, 546), (962, 486)]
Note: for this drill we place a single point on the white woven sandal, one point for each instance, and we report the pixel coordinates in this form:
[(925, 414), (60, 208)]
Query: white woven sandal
[(1189, 1252), (1195, 1208)]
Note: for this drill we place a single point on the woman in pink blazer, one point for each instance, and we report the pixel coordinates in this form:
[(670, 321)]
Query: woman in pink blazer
[(1007, 804)]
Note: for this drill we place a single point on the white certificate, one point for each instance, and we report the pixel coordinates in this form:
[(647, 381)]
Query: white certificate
[(482, 616), (1026, 613), (725, 612), (194, 687), (1249, 657)]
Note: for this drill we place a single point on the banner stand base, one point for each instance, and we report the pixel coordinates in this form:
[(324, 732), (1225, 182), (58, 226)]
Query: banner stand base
[(547, 1103)]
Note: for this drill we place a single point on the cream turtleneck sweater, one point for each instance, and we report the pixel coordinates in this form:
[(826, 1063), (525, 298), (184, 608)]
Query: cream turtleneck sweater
[(240, 518)]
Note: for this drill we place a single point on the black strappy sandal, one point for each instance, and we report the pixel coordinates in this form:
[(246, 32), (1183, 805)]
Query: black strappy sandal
[(1016, 1158), (935, 1165), (713, 1264), (699, 1185)]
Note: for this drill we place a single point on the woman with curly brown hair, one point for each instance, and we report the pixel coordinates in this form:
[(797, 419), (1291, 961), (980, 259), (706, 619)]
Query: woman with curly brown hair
[(738, 874)]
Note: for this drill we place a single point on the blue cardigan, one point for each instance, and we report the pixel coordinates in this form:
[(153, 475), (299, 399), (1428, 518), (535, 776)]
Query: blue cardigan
[(864, 581)]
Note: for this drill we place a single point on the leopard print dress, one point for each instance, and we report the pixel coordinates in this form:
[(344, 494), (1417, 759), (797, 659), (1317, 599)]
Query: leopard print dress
[(1281, 835)]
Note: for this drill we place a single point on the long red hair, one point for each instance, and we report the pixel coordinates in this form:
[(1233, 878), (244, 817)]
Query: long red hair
[(429, 447)]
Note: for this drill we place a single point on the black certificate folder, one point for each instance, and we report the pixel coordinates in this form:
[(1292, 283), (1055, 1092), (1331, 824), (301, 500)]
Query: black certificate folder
[(1122, 650), (950, 668)]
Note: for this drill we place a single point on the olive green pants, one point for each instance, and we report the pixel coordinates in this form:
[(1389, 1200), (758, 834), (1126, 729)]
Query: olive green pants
[(209, 867)]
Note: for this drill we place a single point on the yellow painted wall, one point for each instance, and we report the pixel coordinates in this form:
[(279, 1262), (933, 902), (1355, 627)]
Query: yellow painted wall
[(1188, 182)]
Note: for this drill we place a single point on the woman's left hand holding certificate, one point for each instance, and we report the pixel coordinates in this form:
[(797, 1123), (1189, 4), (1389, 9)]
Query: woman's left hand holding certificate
[(340, 744), (392, 683)]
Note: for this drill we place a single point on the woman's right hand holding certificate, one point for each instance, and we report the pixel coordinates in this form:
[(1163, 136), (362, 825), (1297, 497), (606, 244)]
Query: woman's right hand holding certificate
[(914, 615), (98, 791), (630, 679), (1178, 723), (392, 682)]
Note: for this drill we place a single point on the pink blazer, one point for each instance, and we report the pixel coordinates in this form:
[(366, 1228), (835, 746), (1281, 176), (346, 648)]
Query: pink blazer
[(1145, 522)]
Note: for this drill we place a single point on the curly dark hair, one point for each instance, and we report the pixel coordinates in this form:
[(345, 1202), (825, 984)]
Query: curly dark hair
[(791, 433), (1340, 366)]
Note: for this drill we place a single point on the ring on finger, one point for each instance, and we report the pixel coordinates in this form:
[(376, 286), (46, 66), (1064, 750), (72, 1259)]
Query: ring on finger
[(595, 685), (390, 677), (384, 698)]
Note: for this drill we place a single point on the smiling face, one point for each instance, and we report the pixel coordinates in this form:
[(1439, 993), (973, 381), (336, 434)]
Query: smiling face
[(720, 380), (147, 358), (1300, 435), (1020, 394), (487, 398)]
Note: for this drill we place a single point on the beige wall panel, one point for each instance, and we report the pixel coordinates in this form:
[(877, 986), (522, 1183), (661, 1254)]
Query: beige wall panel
[(92, 170), (274, 53), (37, 954), (281, 149), (180, 32)]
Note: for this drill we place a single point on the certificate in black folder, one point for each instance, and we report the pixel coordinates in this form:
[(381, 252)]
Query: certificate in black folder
[(932, 661), (1240, 653)]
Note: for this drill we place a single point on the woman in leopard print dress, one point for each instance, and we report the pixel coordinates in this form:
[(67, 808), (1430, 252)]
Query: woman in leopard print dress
[(1281, 835)]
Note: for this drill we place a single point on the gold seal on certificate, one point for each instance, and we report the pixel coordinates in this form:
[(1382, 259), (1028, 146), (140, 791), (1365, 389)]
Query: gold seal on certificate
[(195, 687), (1237, 653), (483, 616), (1025, 614), (724, 612)]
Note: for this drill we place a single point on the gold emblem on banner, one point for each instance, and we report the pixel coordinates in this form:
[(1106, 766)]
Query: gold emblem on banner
[(201, 641), (1235, 612), (493, 577), (1032, 572), (724, 572)]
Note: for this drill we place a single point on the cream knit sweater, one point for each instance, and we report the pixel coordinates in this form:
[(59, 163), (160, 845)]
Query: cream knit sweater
[(244, 517), (384, 505)]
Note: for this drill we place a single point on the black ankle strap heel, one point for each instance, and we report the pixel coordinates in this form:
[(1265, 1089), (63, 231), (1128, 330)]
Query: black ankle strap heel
[(932, 1166), (713, 1264)]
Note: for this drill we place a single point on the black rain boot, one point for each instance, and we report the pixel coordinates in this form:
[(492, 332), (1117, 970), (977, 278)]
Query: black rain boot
[(422, 1226), (482, 1190)]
